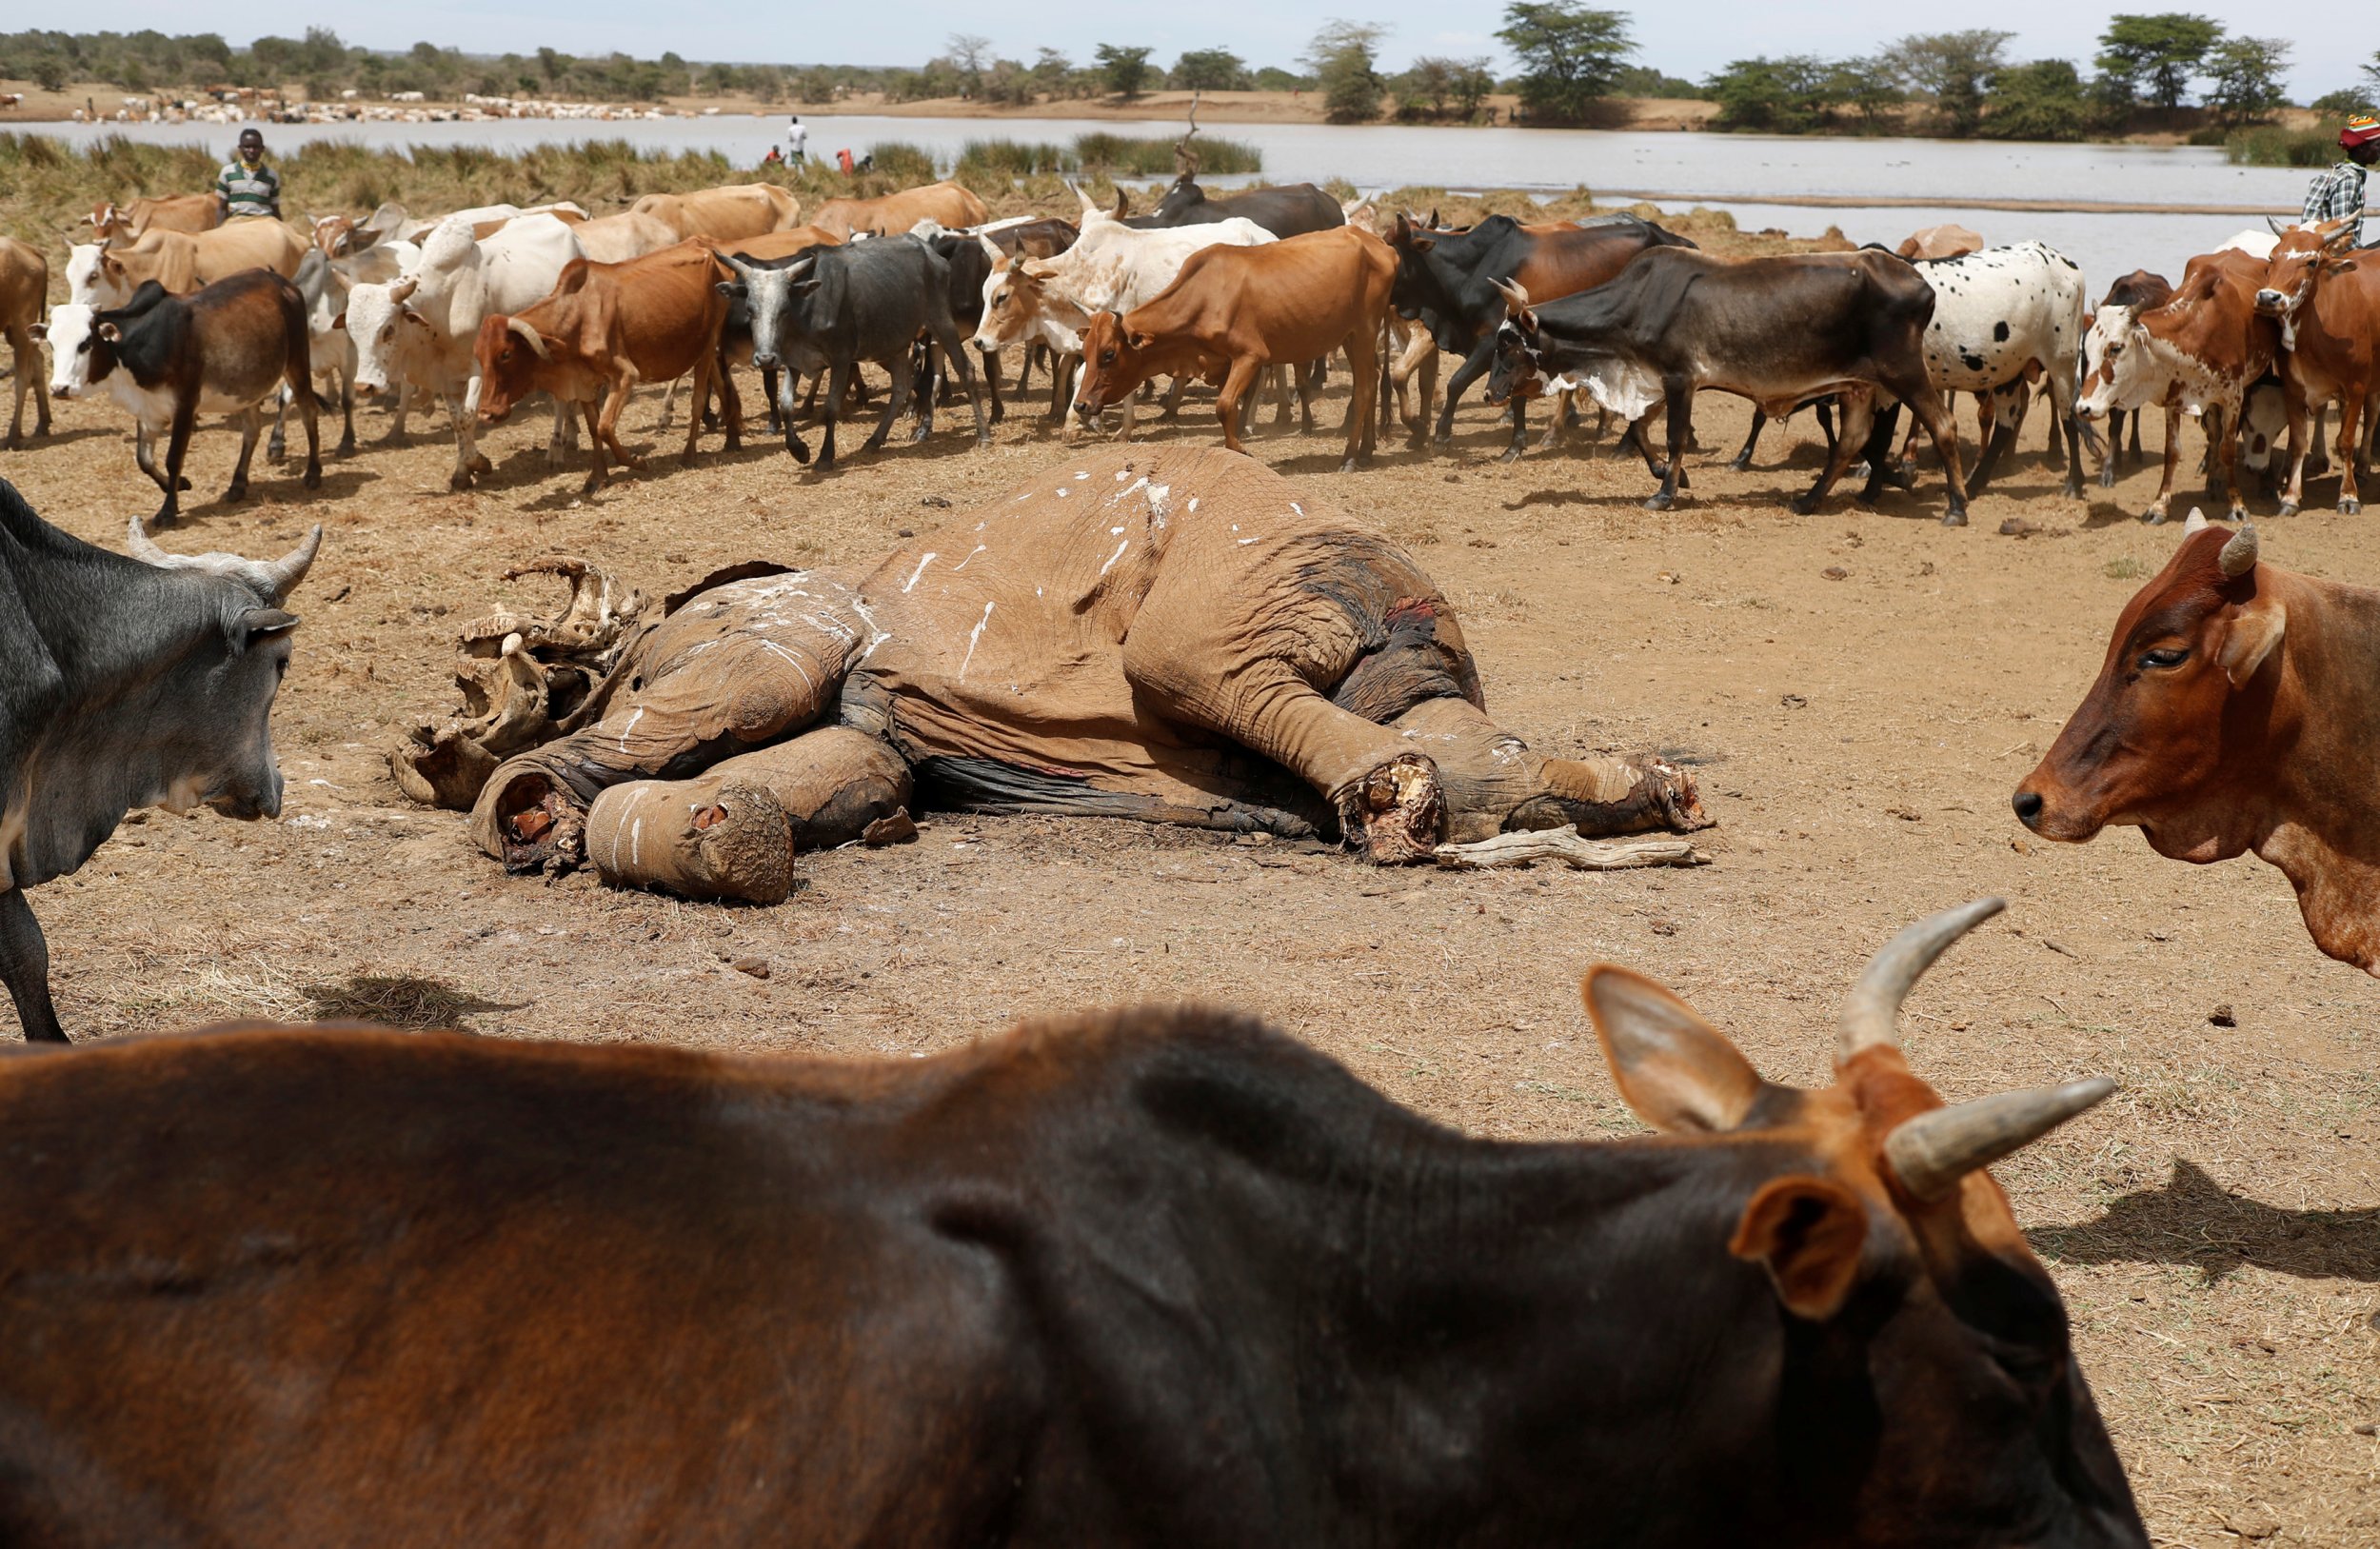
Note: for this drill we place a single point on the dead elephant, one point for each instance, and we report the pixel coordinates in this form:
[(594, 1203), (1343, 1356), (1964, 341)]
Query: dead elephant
[(1178, 636)]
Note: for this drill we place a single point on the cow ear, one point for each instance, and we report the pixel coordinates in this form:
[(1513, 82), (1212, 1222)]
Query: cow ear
[(340, 322), (264, 623), (1679, 1073), (1142, 341), (417, 319), (108, 331), (2253, 633), (39, 330), (1808, 1233)]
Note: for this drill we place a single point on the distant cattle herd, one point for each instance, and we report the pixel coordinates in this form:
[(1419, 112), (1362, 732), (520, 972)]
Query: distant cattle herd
[(1152, 1278)]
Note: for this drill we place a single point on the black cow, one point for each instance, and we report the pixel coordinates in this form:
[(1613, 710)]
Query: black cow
[(225, 348), (1447, 281), (1777, 331), (124, 683), (829, 309), (1288, 210), (1157, 1279)]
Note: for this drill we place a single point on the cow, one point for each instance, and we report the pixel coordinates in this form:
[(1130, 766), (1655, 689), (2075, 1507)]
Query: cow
[(615, 239), (1447, 281), (2233, 713), (1109, 267), (826, 309), (606, 327), (1181, 637), (726, 214), (485, 220), (2326, 296), (227, 349), (2200, 352), (181, 261), (1998, 314), (124, 683), (1290, 210), (1948, 241), (735, 330), (1156, 1279), (115, 225), (23, 292), (945, 204), (2132, 293), (1777, 331), (326, 284), (420, 328), (970, 257), (1233, 311)]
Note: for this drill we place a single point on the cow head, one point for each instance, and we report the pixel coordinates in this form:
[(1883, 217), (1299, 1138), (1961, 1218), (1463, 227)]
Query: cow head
[(209, 733), (769, 293), (2181, 718), (1918, 1375), (82, 272), (1013, 294), (1516, 370), (2303, 254), (512, 359), (2118, 369), (1115, 361), (79, 358), (378, 319)]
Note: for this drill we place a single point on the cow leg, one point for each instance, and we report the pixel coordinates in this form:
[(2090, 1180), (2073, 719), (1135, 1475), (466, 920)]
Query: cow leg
[(276, 445), (831, 406), (251, 426), (2351, 452), (795, 447), (1927, 406), (2228, 454), (177, 448), (768, 392), (955, 352), (595, 448), (1363, 358), (607, 428), (1865, 429), (347, 413), (1236, 385), (2115, 445), (1482, 355), (2293, 492), (895, 402), (299, 371), (2163, 499), (24, 966), (469, 462), (1742, 460), (558, 440), (728, 410), (1678, 403)]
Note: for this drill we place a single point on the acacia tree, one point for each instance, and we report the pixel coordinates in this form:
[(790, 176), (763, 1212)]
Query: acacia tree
[(1950, 69), (1569, 55), (966, 51), (1126, 70), (1341, 59), (2161, 51), (1210, 69), (2246, 78)]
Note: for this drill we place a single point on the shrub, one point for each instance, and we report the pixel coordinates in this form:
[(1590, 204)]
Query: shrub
[(2268, 145)]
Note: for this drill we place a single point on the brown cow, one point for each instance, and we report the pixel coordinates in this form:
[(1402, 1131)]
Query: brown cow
[(23, 290), (615, 239), (115, 223), (2200, 351), (2235, 712), (2327, 298), (1946, 241), (1232, 311), (741, 209), (945, 203), (606, 327), (182, 261), (1164, 1279)]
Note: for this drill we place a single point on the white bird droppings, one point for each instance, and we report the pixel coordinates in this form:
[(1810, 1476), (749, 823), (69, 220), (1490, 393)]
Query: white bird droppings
[(976, 634), (920, 570), (1118, 554)]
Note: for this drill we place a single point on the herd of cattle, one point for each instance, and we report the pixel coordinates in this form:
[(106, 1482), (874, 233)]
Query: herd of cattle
[(2258, 340), (1157, 1278)]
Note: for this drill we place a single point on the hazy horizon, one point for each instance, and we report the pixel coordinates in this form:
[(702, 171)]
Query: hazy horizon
[(2332, 39)]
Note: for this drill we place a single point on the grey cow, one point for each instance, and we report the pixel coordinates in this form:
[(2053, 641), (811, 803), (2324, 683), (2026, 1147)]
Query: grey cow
[(124, 683), (827, 310)]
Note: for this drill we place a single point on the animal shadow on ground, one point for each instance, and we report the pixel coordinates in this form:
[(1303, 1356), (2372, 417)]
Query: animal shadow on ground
[(57, 438), (399, 1001), (2195, 1220)]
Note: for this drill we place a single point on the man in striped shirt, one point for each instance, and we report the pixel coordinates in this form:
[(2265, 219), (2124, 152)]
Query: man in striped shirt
[(2339, 193), (246, 186)]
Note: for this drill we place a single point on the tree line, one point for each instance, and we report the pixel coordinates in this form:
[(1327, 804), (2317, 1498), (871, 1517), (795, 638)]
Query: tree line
[(1571, 60)]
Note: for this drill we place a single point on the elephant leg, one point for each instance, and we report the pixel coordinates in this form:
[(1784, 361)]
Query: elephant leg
[(732, 831)]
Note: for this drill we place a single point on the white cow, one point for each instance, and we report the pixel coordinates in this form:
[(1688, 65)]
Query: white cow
[(326, 284), (1111, 267), (1999, 316), (421, 329)]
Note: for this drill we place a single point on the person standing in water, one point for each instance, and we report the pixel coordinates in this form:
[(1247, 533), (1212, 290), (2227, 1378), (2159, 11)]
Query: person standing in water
[(797, 141)]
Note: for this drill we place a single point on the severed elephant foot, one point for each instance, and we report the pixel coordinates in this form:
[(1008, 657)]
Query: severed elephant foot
[(546, 833), (1397, 812), (736, 844)]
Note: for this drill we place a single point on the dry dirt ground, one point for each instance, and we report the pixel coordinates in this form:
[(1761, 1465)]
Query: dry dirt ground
[(1861, 690)]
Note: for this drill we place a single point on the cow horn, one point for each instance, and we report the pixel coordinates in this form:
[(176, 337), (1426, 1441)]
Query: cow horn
[(1872, 1010), (402, 291), (2239, 554), (1929, 1153), (2197, 521), (1515, 295), (2278, 229), (138, 543), (284, 573), (529, 337)]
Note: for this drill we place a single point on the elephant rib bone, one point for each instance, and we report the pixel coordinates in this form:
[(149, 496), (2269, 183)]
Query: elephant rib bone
[(1563, 844)]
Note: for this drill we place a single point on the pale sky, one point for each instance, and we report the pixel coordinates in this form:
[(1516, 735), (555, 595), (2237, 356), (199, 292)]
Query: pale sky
[(2332, 38)]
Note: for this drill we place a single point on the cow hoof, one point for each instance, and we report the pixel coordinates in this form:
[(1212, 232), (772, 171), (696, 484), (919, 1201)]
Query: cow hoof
[(2288, 507), (1801, 505), (1955, 519), (2155, 516), (1660, 502), (458, 482), (1397, 811), (1510, 454), (798, 450), (237, 493), (2072, 490), (2351, 507), (2107, 479)]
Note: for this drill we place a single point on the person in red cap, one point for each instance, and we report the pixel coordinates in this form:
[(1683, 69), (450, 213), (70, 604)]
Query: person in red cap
[(2339, 192)]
